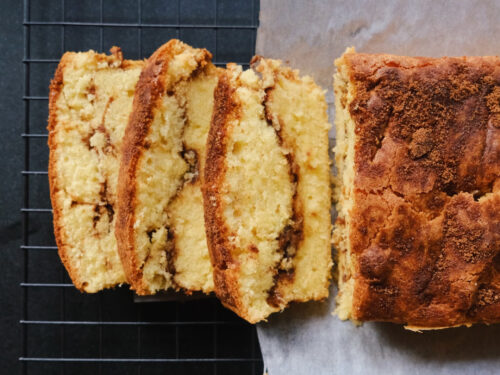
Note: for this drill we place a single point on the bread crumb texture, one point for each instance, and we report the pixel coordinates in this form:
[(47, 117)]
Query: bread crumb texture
[(418, 155)]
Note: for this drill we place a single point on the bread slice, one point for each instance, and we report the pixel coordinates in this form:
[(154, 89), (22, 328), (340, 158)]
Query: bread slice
[(160, 226), (266, 190), (90, 101), (418, 155)]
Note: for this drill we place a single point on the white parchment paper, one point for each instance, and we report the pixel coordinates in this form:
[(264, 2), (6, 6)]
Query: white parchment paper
[(306, 338)]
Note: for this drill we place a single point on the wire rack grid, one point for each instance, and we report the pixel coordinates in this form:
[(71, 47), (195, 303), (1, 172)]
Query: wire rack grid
[(64, 331)]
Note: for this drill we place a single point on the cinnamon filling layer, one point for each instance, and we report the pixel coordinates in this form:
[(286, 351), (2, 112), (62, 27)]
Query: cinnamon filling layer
[(191, 175), (292, 234)]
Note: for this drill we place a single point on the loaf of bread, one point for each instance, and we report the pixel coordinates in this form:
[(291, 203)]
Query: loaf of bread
[(266, 190), (418, 157), (160, 227), (90, 101)]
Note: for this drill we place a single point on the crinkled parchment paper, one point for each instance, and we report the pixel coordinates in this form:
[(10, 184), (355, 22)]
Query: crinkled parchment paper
[(306, 338)]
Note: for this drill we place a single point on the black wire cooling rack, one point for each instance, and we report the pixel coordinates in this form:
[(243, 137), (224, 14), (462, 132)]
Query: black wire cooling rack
[(63, 330)]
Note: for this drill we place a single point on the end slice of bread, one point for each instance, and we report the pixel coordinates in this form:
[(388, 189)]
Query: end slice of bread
[(90, 101), (418, 155), (266, 190), (160, 225)]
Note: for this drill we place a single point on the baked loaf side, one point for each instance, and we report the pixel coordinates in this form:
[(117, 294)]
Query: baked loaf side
[(344, 161), (90, 101), (419, 221), (260, 207), (159, 229)]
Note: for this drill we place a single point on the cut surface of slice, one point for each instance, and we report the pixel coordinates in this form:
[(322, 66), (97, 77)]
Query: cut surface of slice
[(266, 190), (418, 156), (90, 101), (160, 225)]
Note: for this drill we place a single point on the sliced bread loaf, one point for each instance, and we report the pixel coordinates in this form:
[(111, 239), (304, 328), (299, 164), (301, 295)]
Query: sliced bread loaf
[(266, 190), (160, 226)]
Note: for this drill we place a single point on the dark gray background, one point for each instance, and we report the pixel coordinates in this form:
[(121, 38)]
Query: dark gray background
[(230, 339), (11, 85)]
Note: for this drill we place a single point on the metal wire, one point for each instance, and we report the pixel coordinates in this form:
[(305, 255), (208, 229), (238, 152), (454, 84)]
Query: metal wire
[(29, 288), (138, 323), (139, 25), (137, 360), (25, 219)]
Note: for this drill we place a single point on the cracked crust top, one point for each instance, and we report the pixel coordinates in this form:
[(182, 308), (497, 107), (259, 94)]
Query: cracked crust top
[(425, 231)]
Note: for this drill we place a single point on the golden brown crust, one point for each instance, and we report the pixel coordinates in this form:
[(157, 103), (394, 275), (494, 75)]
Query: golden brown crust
[(55, 89), (150, 87), (426, 220), (225, 111), (147, 93)]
